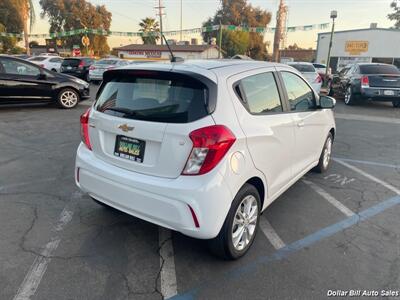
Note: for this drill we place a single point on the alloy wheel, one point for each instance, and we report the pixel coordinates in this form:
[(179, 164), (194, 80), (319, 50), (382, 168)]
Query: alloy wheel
[(327, 153), (244, 223), (68, 99)]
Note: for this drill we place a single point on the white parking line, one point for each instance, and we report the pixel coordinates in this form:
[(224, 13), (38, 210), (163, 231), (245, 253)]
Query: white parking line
[(369, 176), (328, 197), (167, 264), (271, 234), (35, 274), (367, 118)]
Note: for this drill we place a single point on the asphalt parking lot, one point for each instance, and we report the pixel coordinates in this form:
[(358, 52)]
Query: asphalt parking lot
[(336, 231)]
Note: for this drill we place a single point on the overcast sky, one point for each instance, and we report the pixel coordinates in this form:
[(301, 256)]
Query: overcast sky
[(352, 14)]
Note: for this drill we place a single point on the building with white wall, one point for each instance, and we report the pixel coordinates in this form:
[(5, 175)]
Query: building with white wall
[(364, 45), (161, 52)]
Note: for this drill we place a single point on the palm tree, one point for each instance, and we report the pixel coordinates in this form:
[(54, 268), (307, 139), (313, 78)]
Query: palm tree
[(150, 26), (27, 14)]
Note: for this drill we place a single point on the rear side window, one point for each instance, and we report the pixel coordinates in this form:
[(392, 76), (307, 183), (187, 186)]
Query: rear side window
[(300, 95), (106, 62), (379, 69), (155, 96), (55, 60), (260, 94), (303, 68), (38, 58), (73, 62), (319, 66)]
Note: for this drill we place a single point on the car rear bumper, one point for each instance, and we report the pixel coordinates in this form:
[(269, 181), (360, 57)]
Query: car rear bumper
[(162, 201), (94, 76), (380, 94)]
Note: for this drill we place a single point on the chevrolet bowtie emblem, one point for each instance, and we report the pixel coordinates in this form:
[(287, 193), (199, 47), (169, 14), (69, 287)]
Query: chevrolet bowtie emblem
[(125, 127)]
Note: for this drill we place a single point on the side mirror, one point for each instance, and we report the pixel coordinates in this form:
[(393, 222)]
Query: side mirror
[(327, 102)]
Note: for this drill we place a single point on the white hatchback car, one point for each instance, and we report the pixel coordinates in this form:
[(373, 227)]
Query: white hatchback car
[(49, 62), (202, 147)]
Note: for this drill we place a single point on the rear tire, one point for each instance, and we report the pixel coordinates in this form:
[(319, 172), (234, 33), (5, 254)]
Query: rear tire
[(396, 104), (325, 157), (67, 98), (349, 97), (240, 227)]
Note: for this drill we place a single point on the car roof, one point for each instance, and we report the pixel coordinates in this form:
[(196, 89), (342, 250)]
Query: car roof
[(212, 69), (300, 63)]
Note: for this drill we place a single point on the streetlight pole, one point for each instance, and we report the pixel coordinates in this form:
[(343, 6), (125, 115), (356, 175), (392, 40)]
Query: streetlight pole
[(328, 61), (181, 18), (220, 39)]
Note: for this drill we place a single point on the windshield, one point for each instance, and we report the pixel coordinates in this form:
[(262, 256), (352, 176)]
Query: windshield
[(106, 62), (304, 68), (379, 69), (166, 98), (38, 58)]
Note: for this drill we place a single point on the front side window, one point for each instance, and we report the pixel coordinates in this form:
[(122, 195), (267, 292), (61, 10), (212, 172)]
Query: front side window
[(261, 93), (301, 96), (14, 67)]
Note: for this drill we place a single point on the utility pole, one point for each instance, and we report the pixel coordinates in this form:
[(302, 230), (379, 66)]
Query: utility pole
[(279, 28), (160, 13), (181, 19), (334, 15)]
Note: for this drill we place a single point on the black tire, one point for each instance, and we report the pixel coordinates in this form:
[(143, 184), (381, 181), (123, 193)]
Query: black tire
[(222, 245), (324, 162), (54, 70), (73, 96), (349, 96), (396, 104)]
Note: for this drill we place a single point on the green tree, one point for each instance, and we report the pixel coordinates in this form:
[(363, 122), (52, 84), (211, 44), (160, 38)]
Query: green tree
[(12, 22), (65, 15), (240, 13), (395, 16), (27, 12), (149, 25)]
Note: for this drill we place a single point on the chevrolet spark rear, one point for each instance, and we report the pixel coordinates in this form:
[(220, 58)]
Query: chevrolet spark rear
[(151, 148)]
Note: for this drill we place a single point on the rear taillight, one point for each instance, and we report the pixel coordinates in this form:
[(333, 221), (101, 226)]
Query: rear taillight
[(210, 144), (364, 81), (81, 64), (92, 68), (85, 129), (41, 65), (318, 79)]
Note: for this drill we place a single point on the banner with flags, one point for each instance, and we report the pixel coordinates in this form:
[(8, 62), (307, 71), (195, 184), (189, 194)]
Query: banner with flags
[(211, 28)]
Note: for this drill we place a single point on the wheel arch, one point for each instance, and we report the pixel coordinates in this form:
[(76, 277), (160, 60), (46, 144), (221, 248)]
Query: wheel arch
[(258, 183)]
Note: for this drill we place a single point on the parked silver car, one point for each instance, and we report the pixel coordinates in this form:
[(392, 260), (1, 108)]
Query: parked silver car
[(99, 67)]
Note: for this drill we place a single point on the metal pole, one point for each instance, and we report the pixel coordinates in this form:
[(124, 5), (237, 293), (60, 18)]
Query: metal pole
[(161, 24), (220, 40), (181, 19), (328, 61)]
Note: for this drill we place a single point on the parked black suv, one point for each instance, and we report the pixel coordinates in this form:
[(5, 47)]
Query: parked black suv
[(77, 66), (23, 82), (368, 81)]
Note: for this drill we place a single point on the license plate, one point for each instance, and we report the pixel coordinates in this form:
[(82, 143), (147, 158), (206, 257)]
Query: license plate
[(69, 68), (388, 93), (129, 148)]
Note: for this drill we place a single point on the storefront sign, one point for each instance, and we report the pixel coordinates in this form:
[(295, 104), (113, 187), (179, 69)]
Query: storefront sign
[(145, 54), (356, 47)]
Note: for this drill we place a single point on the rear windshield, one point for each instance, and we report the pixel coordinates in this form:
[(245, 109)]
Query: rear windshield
[(106, 62), (38, 58), (164, 97), (71, 62), (379, 69), (303, 68)]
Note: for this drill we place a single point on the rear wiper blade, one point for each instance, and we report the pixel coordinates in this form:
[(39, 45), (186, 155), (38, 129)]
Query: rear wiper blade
[(125, 111)]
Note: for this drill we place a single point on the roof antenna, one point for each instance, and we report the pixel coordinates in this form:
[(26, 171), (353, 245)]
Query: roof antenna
[(173, 57)]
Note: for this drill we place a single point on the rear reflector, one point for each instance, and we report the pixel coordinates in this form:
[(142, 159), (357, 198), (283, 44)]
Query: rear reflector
[(196, 222), (210, 144), (85, 129)]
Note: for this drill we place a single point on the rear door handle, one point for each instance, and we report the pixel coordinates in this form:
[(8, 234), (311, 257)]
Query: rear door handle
[(300, 124)]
